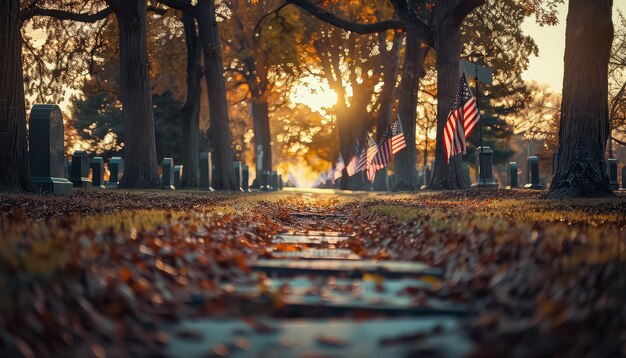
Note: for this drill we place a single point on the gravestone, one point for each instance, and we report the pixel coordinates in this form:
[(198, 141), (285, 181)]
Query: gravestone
[(79, 175), (484, 168), (259, 167), (512, 175), (427, 176), (280, 182), (116, 171), (97, 172), (612, 169), (533, 173), (245, 178), (167, 168), (466, 172), (46, 151), (623, 178), (178, 172), (237, 167), (392, 181), (206, 171), (267, 180), (274, 180)]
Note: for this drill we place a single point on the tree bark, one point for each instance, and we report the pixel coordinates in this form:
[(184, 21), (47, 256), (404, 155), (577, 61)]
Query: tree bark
[(190, 112), (387, 97), (140, 163), (413, 71), (584, 124), (14, 171), (219, 132), (449, 16)]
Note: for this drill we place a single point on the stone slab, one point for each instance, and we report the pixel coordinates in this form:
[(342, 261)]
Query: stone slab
[(347, 268)]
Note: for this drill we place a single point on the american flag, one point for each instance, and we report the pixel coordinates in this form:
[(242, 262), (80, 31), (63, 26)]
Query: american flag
[(461, 121), (397, 141), (366, 157), (351, 167), (339, 167), (384, 149)]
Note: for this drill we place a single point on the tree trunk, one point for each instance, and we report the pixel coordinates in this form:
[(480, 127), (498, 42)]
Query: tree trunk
[(14, 172), (413, 71), (190, 112), (448, 45), (584, 124), (261, 127), (140, 161), (386, 99), (219, 132)]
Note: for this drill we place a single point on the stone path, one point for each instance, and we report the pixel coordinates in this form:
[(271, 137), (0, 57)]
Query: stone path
[(332, 303)]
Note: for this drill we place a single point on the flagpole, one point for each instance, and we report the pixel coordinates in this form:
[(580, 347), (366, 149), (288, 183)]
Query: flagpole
[(481, 179)]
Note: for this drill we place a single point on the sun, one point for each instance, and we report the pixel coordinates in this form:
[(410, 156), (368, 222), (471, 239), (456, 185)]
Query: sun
[(314, 93)]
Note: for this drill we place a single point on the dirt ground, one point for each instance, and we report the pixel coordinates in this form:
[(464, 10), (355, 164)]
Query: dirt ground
[(105, 273)]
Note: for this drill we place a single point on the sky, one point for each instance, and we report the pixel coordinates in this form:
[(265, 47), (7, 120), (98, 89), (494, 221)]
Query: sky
[(548, 66)]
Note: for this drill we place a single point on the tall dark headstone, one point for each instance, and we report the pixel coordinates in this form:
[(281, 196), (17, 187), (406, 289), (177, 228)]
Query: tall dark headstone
[(167, 178), (79, 175), (259, 168), (238, 175), (178, 172), (274, 180), (97, 172), (512, 174), (46, 150), (533, 173), (206, 171), (245, 178), (484, 168), (266, 180), (623, 178), (612, 169), (427, 177), (116, 171)]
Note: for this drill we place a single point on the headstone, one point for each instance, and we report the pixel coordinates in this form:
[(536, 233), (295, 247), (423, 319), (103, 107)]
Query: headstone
[(612, 168), (533, 173), (280, 182), (266, 180), (245, 178), (46, 150), (259, 167), (97, 172), (623, 178), (206, 171), (466, 172), (168, 173), (392, 178), (484, 168), (427, 177), (178, 172), (274, 180), (116, 171), (238, 175), (79, 175), (512, 175)]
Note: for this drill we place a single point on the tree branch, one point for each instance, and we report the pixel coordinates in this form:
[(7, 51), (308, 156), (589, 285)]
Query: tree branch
[(182, 6), (66, 15), (359, 28), (412, 20), (464, 7)]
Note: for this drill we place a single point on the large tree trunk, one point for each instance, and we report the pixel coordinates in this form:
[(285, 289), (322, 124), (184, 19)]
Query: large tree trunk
[(14, 172), (261, 127), (190, 112), (387, 98), (413, 71), (140, 161), (584, 124), (219, 132), (449, 16)]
